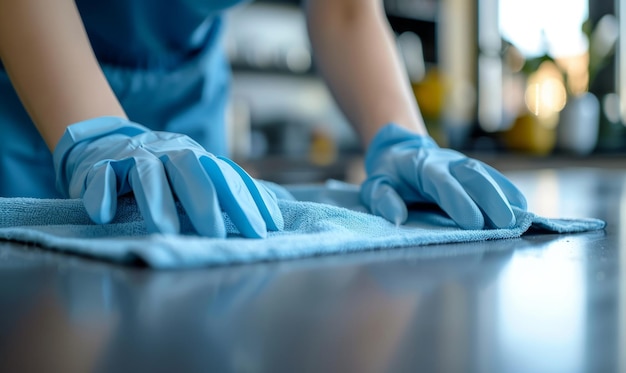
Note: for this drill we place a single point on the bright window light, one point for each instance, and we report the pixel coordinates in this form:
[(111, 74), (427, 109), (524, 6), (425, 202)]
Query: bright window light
[(540, 26)]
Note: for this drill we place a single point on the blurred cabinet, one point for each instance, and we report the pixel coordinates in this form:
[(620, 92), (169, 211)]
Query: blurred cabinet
[(283, 118), (281, 109), (419, 17)]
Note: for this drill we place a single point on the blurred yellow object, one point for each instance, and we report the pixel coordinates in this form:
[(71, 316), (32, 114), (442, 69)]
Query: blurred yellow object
[(532, 134), (430, 93), (323, 150)]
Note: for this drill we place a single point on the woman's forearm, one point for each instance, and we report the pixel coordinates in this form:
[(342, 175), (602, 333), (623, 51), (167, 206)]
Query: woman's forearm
[(355, 51), (46, 53)]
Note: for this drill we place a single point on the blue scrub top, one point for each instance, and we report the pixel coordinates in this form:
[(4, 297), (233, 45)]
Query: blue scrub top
[(166, 65)]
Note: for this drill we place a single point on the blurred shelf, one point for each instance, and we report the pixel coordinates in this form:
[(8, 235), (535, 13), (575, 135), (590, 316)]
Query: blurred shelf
[(284, 170), (514, 162)]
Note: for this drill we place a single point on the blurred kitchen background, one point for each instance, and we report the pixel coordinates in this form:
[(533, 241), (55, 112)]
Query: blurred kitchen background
[(516, 83)]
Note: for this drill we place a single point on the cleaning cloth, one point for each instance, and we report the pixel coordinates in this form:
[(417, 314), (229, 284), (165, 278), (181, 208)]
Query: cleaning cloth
[(319, 220)]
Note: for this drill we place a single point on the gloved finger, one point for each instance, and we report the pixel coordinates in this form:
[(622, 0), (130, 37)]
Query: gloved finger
[(485, 191), (100, 194), (196, 193), (514, 195), (153, 195), (265, 199), (383, 200), (235, 198), (443, 189)]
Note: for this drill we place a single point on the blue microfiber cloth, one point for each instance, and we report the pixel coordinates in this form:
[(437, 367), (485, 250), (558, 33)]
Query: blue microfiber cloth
[(319, 220)]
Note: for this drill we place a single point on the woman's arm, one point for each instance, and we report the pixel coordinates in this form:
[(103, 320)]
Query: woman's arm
[(356, 53), (46, 52)]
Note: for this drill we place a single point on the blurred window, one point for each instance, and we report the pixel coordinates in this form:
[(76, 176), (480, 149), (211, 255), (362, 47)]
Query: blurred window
[(537, 27)]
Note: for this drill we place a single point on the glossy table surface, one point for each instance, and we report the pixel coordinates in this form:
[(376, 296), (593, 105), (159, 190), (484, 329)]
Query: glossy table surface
[(540, 303)]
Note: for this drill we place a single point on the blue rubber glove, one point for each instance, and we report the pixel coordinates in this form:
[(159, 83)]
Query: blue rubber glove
[(404, 168), (102, 158)]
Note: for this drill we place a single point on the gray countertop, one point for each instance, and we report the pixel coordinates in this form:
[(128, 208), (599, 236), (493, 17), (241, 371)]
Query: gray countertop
[(540, 303)]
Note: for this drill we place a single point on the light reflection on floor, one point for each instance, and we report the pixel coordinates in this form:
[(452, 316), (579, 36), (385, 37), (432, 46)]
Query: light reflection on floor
[(541, 308)]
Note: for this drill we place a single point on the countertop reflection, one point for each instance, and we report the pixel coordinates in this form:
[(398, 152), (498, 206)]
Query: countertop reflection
[(540, 303)]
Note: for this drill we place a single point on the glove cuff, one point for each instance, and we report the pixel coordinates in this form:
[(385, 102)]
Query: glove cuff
[(87, 130), (390, 135)]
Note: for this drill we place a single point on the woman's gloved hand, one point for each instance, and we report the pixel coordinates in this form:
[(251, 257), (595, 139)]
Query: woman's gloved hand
[(102, 158), (404, 168)]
